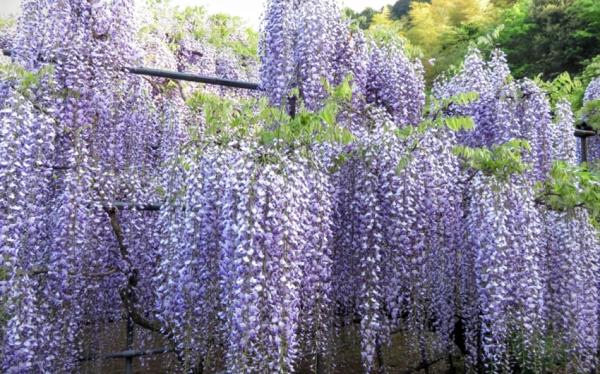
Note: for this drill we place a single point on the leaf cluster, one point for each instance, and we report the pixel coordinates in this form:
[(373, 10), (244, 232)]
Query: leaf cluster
[(23, 78), (226, 120), (501, 161), (590, 114), (437, 118), (563, 86), (569, 187), (306, 127)]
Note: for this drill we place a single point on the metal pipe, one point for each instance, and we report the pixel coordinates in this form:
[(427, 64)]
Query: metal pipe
[(181, 76), (123, 205), (584, 133), (192, 78), (130, 353)]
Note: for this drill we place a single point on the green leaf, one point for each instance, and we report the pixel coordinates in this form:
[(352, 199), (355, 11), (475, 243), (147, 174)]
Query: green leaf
[(329, 113), (459, 123), (464, 98), (403, 163)]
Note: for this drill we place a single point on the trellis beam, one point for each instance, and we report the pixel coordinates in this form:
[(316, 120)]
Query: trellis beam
[(584, 133), (130, 353), (181, 76), (176, 75), (123, 205)]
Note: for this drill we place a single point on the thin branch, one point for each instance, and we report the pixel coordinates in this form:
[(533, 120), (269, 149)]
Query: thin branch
[(127, 294), (116, 226)]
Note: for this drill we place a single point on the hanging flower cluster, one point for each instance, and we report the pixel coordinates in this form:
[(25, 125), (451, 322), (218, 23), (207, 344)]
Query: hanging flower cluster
[(506, 109), (306, 45), (514, 281), (264, 250), (592, 91), (571, 267), (563, 145), (502, 293), (253, 275), (392, 75), (396, 233), (73, 141), (488, 80)]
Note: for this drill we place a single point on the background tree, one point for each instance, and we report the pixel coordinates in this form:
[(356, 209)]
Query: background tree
[(551, 36)]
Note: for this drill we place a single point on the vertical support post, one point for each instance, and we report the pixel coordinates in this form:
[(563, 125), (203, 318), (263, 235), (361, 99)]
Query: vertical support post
[(129, 360), (584, 148)]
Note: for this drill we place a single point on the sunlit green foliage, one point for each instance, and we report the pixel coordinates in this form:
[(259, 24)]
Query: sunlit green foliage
[(227, 120), (542, 37), (501, 161), (363, 19), (551, 36), (570, 187), (438, 31), (590, 114), (6, 23), (219, 30), (564, 86)]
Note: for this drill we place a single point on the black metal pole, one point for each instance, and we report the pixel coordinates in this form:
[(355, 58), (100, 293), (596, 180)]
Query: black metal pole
[(177, 75), (123, 205), (128, 353), (584, 153), (584, 133), (192, 78)]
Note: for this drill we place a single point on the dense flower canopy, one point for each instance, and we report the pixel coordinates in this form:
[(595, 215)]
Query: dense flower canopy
[(344, 201)]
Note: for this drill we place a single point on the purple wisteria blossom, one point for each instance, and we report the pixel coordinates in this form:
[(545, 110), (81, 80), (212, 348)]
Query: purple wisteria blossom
[(263, 252), (73, 142)]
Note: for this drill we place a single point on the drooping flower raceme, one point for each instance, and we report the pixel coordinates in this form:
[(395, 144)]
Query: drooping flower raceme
[(75, 138), (262, 250), (502, 289)]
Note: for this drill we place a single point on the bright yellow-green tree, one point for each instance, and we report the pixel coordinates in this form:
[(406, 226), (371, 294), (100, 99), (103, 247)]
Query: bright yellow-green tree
[(429, 23), (440, 29)]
